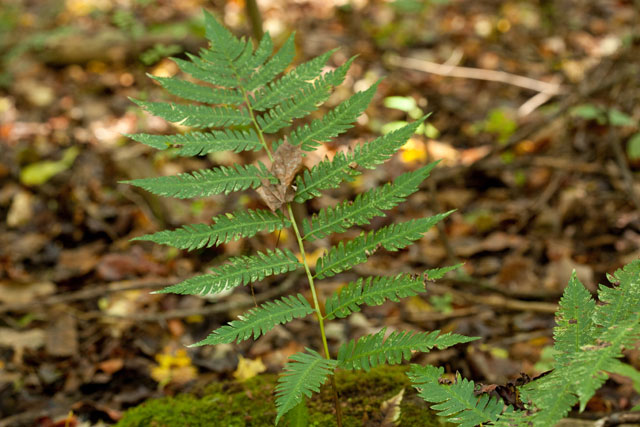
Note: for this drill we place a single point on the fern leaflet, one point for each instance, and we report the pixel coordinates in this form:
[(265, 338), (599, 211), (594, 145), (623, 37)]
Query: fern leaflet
[(205, 182), (196, 92), (259, 321), (274, 66), (201, 143), (238, 271), (371, 291), (456, 402), (226, 227), (303, 375), (200, 116), (365, 206), (370, 351), (392, 237), (330, 173)]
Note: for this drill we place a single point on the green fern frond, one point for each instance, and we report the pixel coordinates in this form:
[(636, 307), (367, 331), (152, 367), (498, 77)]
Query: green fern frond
[(366, 206), (199, 93), (289, 84), (456, 402), (392, 237), (303, 375), (259, 321), (202, 143), (225, 228), (220, 76), (205, 182), (260, 55), (222, 40), (337, 121), (274, 66), (306, 100), (371, 291), (200, 116), (238, 271), (331, 173), (622, 301), (370, 351), (575, 327)]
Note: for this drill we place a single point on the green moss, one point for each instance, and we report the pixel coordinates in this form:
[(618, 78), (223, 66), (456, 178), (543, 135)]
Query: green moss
[(252, 403)]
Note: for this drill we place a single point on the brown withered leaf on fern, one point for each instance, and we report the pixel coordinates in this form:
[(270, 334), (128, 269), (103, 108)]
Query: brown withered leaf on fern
[(287, 162)]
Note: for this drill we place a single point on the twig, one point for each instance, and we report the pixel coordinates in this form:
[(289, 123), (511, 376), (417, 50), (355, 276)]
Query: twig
[(617, 419), (476, 74)]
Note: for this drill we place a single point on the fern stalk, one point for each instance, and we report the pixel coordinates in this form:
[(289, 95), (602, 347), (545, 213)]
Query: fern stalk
[(316, 305)]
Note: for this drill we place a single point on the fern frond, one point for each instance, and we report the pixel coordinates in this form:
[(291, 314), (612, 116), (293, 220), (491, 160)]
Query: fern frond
[(370, 351), (392, 237), (575, 327), (456, 402), (200, 116), (289, 84), (220, 76), (303, 375), (259, 321), (199, 93), (260, 55), (202, 143), (306, 100), (622, 301), (238, 271), (371, 291), (274, 66), (205, 182), (337, 121), (330, 173), (366, 206), (226, 227)]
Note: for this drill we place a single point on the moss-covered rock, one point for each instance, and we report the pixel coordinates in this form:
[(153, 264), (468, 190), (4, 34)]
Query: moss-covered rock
[(252, 403)]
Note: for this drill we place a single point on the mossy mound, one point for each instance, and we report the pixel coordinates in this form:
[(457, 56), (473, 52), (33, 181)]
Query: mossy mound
[(252, 403)]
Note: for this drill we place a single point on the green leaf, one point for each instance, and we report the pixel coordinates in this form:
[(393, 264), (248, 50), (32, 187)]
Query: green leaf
[(371, 291), (366, 206), (274, 66), (402, 103), (200, 116), (199, 93), (589, 112), (202, 143), (226, 227), (330, 173), (40, 172), (238, 271), (633, 147), (456, 402), (299, 415), (205, 182), (303, 375), (217, 75), (370, 351), (392, 237), (335, 122), (259, 321), (222, 40), (618, 118), (289, 84)]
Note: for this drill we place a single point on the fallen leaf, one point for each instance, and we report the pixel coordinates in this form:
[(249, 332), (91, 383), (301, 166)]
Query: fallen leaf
[(40, 172), (391, 410), (62, 336), (22, 293), (287, 162), (248, 368), (173, 367)]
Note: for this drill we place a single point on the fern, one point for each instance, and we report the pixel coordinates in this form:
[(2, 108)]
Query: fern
[(238, 271), (456, 402), (227, 227), (589, 340), (303, 375), (259, 321), (240, 98), (372, 350)]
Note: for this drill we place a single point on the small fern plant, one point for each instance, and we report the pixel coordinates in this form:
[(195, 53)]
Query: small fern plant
[(250, 104), (589, 339)]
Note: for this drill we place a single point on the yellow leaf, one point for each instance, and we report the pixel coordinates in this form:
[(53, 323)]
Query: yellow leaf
[(313, 257), (413, 151), (248, 368)]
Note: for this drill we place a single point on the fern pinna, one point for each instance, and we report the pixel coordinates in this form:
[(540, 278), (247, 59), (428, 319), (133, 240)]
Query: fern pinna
[(589, 339), (246, 105)]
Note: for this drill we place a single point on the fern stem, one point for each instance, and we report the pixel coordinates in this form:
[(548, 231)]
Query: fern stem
[(316, 306), (255, 124)]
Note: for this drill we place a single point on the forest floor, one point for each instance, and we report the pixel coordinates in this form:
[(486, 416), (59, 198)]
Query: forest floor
[(542, 172)]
